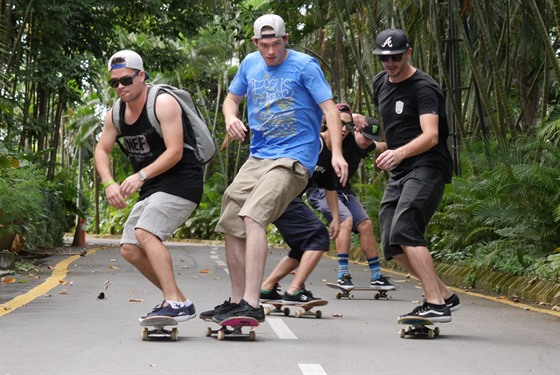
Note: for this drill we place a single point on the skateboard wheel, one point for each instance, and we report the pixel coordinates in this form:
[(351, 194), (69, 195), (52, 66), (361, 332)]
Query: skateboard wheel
[(402, 333), (298, 314), (376, 296), (430, 334), (318, 314), (174, 334), (350, 296), (267, 310), (436, 331), (221, 335), (286, 311), (145, 334), (338, 295), (208, 332), (389, 296), (252, 336)]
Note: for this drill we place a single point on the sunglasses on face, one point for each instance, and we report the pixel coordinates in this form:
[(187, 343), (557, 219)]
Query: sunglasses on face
[(395, 58), (349, 125), (125, 81)]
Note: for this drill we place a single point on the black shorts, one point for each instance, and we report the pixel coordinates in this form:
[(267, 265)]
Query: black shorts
[(406, 209), (302, 229)]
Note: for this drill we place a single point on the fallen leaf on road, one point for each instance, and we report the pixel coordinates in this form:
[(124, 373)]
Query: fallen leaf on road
[(337, 315), (135, 300), (63, 291), (205, 270), (113, 267), (6, 307), (50, 267), (8, 280), (101, 296)]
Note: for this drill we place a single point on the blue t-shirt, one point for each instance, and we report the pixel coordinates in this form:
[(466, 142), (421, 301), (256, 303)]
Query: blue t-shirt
[(283, 106)]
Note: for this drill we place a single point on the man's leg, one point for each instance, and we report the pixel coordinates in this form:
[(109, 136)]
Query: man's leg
[(235, 258), (404, 261), (160, 261), (255, 260), (308, 262), (282, 269)]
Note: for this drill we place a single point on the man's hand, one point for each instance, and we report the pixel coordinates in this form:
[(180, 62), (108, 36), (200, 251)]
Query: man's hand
[(115, 196), (340, 168), (131, 185), (235, 128), (334, 228), (389, 159)]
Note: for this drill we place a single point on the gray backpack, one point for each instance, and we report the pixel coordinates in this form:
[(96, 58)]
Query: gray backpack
[(204, 147)]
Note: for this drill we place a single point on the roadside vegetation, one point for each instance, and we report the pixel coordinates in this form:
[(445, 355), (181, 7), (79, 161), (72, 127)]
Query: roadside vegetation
[(498, 62)]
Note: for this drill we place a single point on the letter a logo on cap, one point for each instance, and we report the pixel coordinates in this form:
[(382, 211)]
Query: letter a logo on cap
[(388, 42)]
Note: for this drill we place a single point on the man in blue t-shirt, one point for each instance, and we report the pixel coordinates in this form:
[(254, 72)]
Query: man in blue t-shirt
[(287, 94)]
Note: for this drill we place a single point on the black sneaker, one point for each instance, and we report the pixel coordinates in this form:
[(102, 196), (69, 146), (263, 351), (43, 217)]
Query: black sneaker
[(436, 313), (180, 314), (301, 296), (345, 281), (220, 309), (382, 283), (453, 302), (271, 295), (243, 309)]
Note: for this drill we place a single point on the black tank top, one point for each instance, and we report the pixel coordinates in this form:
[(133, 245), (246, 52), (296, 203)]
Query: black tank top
[(144, 145)]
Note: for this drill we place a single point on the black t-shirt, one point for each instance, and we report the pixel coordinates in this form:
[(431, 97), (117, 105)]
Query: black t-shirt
[(353, 155), (400, 106), (324, 175), (143, 145)]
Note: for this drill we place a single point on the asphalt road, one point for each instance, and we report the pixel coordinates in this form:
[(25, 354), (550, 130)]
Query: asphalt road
[(52, 322)]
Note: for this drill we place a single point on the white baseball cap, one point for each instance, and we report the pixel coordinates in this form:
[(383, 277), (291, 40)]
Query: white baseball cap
[(272, 20), (130, 59)]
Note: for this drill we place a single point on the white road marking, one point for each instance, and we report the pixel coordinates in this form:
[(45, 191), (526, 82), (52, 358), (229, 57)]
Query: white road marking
[(281, 329), (311, 369)]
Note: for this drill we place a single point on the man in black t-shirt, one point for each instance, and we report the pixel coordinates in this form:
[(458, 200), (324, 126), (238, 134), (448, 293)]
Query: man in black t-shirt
[(411, 105)]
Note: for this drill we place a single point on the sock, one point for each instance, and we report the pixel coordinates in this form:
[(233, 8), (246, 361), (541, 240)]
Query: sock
[(342, 265), (187, 302), (174, 304), (374, 267)]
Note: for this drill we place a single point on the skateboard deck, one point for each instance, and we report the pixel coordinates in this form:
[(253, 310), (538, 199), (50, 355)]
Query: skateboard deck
[(303, 308), (233, 328), (159, 331), (418, 326), (346, 292)]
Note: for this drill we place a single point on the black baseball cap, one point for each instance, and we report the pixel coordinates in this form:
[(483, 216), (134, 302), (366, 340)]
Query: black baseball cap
[(372, 130), (391, 42)]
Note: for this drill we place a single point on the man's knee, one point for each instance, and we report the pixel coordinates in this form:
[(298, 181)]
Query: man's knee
[(130, 252), (365, 226), (347, 224)]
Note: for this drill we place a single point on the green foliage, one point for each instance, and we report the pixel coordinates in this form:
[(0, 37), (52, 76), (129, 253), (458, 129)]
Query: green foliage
[(503, 214), (31, 207)]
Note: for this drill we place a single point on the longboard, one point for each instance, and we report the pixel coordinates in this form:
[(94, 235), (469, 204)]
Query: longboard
[(304, 307), (159, 323), (346, 292), (418, 326), (233, 328)]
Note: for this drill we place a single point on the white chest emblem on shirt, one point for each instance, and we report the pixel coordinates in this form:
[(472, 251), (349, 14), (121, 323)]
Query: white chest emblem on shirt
[(399, 105)]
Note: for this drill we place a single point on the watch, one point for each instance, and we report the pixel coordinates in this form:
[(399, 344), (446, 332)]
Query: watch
[(142, 176)]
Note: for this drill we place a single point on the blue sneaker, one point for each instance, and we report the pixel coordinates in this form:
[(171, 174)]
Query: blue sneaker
[(181, 314)]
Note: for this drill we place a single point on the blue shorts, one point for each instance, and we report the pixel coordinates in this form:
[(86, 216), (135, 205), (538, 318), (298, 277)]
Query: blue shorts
[(302, 229), (349, 206), (406, 209)]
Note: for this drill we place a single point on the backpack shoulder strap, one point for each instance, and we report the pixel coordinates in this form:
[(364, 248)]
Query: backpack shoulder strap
[(116, 115), (153, 91)]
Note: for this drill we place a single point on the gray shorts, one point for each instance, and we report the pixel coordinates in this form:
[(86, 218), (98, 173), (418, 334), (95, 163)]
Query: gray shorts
[(406, 209), (349, 206), (160, 214)]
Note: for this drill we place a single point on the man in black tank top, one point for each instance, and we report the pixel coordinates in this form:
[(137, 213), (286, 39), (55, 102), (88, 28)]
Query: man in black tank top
[(412, 110), (167, 177)]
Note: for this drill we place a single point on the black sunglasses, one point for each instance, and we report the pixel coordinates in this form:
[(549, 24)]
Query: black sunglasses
[(395, 58), (125, 81), (349, 125)]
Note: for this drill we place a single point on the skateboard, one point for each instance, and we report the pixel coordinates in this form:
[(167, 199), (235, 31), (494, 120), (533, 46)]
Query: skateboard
[(417, 326), (159, 323), (346, 292), (304, 308), (233, 328)]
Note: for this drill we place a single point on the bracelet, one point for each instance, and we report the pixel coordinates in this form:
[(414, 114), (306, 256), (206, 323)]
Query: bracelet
[(106, 184)]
